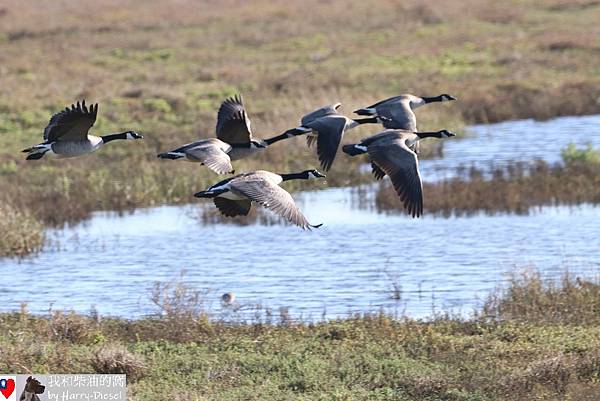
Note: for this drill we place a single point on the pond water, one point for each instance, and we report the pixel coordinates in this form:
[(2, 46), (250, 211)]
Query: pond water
[(351, 264)]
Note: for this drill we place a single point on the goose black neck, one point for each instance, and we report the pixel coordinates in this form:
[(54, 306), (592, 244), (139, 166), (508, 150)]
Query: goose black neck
[(432, 99), (278, 138), (371, 120), (108, 138), (435, 134), (294, 176)]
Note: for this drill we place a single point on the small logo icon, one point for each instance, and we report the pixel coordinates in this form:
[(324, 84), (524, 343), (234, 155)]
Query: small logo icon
[(7, 388)]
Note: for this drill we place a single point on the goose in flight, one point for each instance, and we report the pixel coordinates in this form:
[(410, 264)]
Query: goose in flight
[(234, 196), (67, 134), (326, 126), (389, 152), (398, 112), (234, 140)]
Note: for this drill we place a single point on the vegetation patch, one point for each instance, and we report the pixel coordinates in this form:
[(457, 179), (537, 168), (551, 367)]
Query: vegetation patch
[(532, 339), (516, 188), (21, 232)]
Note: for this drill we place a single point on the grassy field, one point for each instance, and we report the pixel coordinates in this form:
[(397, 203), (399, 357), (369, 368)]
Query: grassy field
[(162, 68), (534, 340)]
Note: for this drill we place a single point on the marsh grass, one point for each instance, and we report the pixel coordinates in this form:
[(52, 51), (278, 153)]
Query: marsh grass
[(529, 297), (533, 339), (21, 232), (517, 188)]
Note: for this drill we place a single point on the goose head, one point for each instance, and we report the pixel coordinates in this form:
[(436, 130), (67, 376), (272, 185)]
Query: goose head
[(446, 134), (446, 97), (313, 174), (130, 135)]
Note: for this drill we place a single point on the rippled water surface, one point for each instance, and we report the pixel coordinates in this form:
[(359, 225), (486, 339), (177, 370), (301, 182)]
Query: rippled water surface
[(348, 265)]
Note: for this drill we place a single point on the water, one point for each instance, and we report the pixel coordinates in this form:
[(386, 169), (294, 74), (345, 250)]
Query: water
[(496, 145), (348, 265)]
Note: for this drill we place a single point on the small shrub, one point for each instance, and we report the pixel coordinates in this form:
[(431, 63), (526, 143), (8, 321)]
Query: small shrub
[(573, 155), (117, 359)]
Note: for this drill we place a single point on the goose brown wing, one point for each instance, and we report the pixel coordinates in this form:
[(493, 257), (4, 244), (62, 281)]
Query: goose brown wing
[(233, 123), (71, 124), (401, 164), (397, 116), (232, 208), (320, 112), (382, 102), (212, 157), (271, 196), (330, 130)]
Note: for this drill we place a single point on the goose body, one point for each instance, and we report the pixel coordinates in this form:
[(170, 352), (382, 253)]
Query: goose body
[(66, 135), (326, 126), (397, 112), (390, 154), (234, 139), (211, 152), (234, 196)]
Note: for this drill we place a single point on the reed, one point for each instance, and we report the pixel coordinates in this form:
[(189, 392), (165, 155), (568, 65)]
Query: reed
[(517, 188), (21, 232)]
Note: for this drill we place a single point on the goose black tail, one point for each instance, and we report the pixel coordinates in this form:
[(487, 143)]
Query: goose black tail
[(209, 194), (354, 150), (169, 155), (364, 112), (35, 156)]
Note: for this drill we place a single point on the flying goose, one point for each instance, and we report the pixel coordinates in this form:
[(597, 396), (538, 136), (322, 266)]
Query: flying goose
[(397, 112), (67, 134), (234, 140), (234, 195), (389, 152), (326, 126)]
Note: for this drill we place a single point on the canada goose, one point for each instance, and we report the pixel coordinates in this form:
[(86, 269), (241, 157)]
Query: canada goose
[(233, 196), (389, 152), (67, 134), (326, 126), (397, 112), (234, 140)]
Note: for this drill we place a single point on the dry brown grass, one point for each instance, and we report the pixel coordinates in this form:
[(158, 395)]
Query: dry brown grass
[(21, 232), (530, 298), (515, 189), (117, 359)]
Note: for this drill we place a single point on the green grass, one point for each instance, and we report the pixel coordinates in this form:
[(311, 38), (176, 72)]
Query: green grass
[(535, 339)]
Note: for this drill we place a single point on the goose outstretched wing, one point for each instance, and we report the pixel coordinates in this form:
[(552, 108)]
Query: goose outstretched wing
[(71, 124), (271, 196), (212, 157), (401, 164), (320, 112), (330, 130), (233, 123)]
